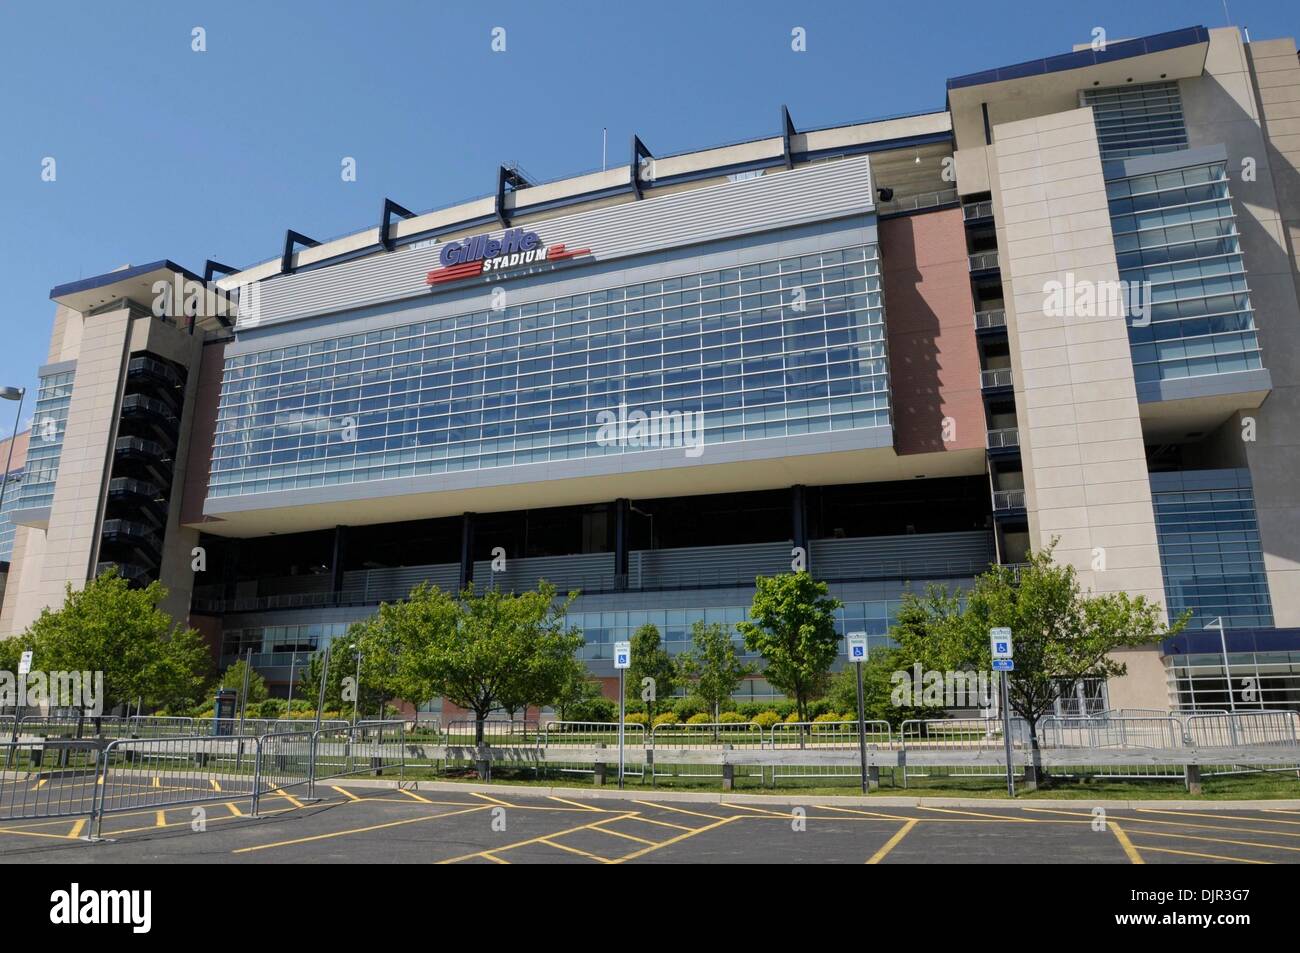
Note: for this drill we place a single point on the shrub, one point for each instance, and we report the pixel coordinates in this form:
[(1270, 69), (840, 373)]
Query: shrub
[(690, 706), (785, 707), (732, 718), (765, 719), (819, 707), (667, 718), (594, 709), (748, 710), (699, 718), (792, 718), (636, 718), (269, 708)]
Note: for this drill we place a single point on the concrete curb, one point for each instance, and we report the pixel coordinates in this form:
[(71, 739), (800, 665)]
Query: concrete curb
[(841, 800)]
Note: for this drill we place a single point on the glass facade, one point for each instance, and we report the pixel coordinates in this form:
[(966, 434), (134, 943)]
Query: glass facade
[(1269, 680), (790, 346), (1176, 237), (1210, 553), (13, 488), (49, 421), (1137, 120), (272, 644)]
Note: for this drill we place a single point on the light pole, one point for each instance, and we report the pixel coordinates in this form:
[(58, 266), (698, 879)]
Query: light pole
[(1223, 647), (356, 688)]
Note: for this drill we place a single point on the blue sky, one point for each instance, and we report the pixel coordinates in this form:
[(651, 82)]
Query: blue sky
[(163, 152)]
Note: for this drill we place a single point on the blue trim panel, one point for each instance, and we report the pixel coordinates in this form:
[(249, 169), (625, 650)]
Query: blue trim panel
[(1188, 36), (1239, 640)]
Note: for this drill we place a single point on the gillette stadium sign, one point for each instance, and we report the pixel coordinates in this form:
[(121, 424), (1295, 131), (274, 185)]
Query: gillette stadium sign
[(483, 254)]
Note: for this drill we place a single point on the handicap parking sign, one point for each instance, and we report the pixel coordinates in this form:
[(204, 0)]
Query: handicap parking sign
[(622, 654), (857, 643)]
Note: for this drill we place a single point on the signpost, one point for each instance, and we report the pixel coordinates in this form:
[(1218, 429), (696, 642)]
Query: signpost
[(622, 660), (857, 645), (1004, 661)]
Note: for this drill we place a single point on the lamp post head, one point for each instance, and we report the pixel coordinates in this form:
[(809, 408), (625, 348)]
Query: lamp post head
[(12, 393)]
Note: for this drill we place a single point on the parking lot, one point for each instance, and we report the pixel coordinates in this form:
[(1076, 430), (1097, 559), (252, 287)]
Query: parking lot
[(359, 824)]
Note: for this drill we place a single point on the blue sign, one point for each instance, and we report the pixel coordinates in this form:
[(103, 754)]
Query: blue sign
[(1004, 665)]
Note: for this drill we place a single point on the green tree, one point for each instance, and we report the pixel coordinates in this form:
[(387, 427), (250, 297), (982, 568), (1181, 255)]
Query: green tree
[(649, 661), (1060, 633), (109, 627), (578, 693), (878, 695), (792, 626), (233, 677), (482, 651), (712, 666)]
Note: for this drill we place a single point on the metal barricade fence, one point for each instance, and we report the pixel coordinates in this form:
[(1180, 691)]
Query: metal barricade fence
[(510, 734), (54, 778), (558, 735), (369, 747), (284, 761), (813, 736), (1062, 731), (159, 726), (961, 737), (143, 774), (1233, 729), (828, 734), (708, 736)]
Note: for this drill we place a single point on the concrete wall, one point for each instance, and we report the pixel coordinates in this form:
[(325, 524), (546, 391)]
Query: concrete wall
[(1274, 264), (934, 369)]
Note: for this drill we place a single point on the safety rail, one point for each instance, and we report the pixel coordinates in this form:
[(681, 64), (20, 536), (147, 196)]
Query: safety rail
[(493, 733), (1235, 729), (713, 735), (591, 734), (787, 735), (1131, 731)]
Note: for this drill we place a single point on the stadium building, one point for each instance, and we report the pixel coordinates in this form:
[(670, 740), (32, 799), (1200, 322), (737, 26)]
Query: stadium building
[(1062, 307)]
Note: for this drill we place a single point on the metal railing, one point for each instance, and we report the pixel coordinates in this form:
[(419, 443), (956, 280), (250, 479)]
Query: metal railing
[(1133, 731), (797, 735), (911, 203), (1008, 499), (996, 377), (975, 210), (368, 747), (469, 733), (1235, 729), (713, 735), (1004, 438), (991, 318), (983, 261)]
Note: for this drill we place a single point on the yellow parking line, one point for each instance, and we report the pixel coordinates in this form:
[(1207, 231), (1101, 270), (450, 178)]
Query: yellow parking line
[(160, 819), (215, 786), (414, 796), (288, 797), (875, 815), (758, 811), (1216, 840), (631, 837), (8, 830), (494, 859), (678, 839), (40, 784), (77, 828), (1129, 850), (680, 810), (347, 794), (494, 800), (573, 850), (359, 830), (1130, 819), (893, 842), (1192, 853), (650, 820), (995, 817), (235, 812), (1218, 817), (531, 840), (157, 781), (585, 807)]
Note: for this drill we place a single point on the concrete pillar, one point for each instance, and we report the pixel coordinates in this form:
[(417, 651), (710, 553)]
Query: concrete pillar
[(599, 776), (1192, 775), (728, 777), (873, 777), (622, 516), (466, 549)]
